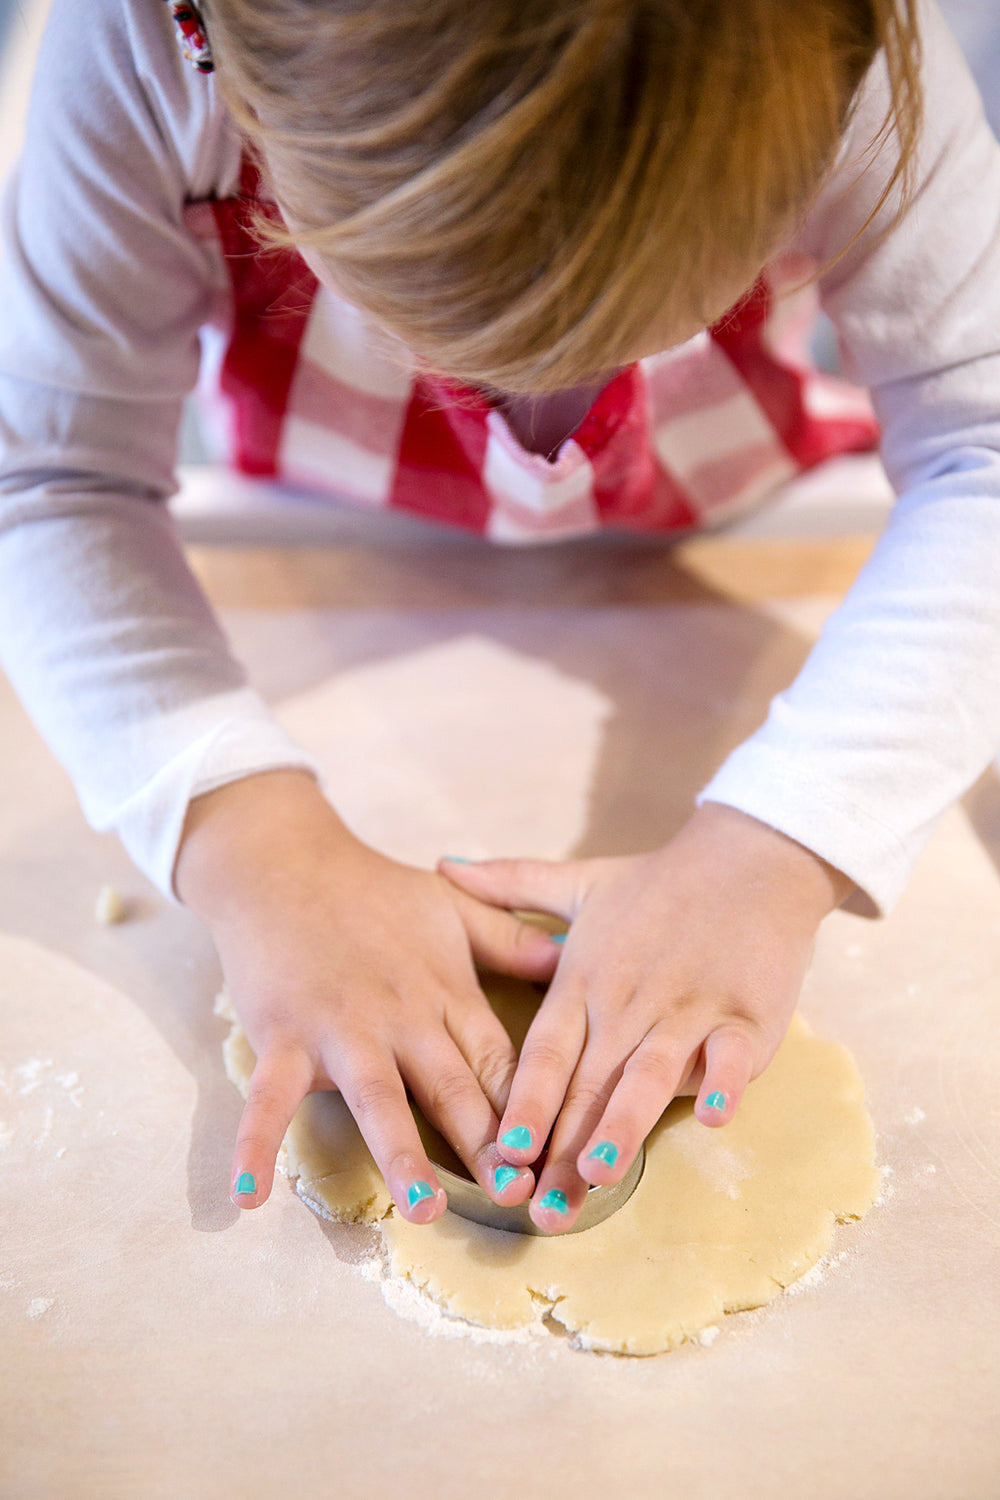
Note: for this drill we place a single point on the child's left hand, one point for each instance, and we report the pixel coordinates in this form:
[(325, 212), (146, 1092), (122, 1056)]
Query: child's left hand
[(680, 974)]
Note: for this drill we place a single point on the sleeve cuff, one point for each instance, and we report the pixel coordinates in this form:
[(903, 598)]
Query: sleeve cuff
[(206, 745)]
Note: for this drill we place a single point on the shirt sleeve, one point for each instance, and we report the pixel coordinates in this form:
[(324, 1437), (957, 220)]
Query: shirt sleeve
[(897, 709), (104, 632)]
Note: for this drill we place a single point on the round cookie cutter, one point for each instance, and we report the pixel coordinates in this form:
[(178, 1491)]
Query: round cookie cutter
[(467, 1199)]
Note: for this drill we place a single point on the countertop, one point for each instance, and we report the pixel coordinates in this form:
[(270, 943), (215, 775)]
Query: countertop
[(156, 1342)]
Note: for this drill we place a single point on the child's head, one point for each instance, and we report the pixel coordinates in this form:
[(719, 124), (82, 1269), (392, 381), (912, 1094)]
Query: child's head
[(529, 192)]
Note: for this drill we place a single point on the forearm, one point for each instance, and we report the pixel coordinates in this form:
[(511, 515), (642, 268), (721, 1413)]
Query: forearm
[(897, 710), (122, 666)]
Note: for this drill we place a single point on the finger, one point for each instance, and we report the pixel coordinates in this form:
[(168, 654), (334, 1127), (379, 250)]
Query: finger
[(278, 1084), (374, 1093), (451, 1097), (502, 942), (479, 1035), (562, 1189), (649, 1081), (557, 887), (548, 1061), (729, 1067)]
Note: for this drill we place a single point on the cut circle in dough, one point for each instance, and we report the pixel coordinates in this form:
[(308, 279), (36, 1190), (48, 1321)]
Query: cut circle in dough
[(722, 1220)]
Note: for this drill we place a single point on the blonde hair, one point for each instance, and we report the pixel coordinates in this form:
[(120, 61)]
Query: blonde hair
[(521, 190)]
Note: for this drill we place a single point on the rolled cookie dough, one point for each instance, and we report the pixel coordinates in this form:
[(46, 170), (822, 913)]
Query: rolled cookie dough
[(721, 1221)]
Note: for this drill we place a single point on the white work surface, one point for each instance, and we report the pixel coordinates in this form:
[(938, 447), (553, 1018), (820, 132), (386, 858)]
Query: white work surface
[(156, 1343)]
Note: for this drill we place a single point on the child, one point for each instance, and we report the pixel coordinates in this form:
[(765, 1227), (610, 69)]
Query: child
[(501, 206)]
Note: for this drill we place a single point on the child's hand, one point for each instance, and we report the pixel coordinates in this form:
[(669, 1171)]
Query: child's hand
[(351, 971), (679, 975)]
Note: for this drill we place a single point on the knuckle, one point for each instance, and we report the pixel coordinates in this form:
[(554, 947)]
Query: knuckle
[(545, 1056), (264, 1097), (495, 1067), (254, 1141), (372, 1096), (745, 1026), (260, 1099), (448, 1092), (588, 1097), (496, 1084), (654, 1067)]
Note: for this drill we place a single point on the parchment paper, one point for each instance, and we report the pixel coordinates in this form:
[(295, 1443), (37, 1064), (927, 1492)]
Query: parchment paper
[(156, 1343)]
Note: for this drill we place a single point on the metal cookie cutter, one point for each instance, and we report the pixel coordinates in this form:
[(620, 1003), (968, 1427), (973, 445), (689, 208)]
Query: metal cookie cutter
[(467, 1199)]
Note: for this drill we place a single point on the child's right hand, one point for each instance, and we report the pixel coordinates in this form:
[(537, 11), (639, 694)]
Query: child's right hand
[(353, 972)]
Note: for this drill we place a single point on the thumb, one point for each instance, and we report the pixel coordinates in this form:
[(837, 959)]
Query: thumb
[(553, 886), (502, 942)]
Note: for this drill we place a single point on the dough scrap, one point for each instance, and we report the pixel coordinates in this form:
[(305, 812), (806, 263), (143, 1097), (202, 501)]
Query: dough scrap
[(110, 907), (722, 1220)]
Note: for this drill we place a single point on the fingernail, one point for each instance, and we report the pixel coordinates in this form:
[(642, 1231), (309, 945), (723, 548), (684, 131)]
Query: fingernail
[(715, 1101), (418, 1192), (555, 1199), (559, 937), (456, 859), (605, 1151), (518, 1137), (504, 1176), (246, 1185)]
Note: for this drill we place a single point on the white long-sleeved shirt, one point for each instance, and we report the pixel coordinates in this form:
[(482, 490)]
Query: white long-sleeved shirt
[(111, 644)]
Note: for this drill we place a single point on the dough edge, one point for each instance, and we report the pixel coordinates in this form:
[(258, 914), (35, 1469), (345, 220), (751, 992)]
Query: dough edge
[(611, 1289)]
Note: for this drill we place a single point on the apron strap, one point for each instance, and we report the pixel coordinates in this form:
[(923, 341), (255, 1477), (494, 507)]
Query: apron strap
[(192, 38)]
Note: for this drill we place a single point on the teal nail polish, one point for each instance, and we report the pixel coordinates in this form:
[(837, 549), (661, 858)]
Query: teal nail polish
[(418, 1192), (605, 1151), (715, 1101), (456, 859), (559, 937), (555, 1199), (518, 1137), (504, 1176), (246, 1184)]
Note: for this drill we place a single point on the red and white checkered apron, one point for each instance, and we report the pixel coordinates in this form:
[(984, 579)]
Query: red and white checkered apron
[(313, 395)]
